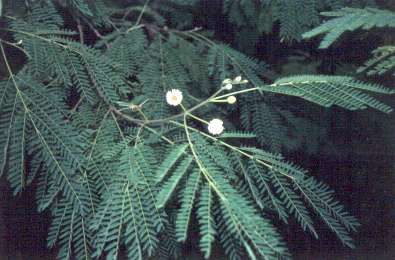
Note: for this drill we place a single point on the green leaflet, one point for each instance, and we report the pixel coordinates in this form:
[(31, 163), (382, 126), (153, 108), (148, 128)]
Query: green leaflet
[(8, 106), (71, 230), (228, 236), (248, 223), (320, 197), (326, 91), (350, 19), (255, 172), (17, 169), (170, 185), (293, 202), (383, 61), (206, 220), (83, 7), (170, 160), (187, 198), (237, 135)]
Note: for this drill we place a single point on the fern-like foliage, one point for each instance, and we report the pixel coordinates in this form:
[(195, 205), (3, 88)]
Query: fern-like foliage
[(350, 19), (126, 174), (70, 231), (332, 90), (279, 187), (263, 15), (383, 61), (256, 17)]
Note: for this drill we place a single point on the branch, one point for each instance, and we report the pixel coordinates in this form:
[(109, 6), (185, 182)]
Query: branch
[(162, 120), (80, 30)]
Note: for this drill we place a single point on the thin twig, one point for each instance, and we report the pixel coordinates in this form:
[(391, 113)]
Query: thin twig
[(96, 32), (80, 30), (163, 120), (188, 113), (15, 45), (135, 27), (142, 13), (74, 108)]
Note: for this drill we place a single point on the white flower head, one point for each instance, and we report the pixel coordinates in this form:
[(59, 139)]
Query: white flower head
[(237, 79), (228, 86), (215, 126), (231, 99), (174, 97)]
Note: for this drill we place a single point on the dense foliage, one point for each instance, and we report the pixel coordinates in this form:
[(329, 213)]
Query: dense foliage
[(85, 119)]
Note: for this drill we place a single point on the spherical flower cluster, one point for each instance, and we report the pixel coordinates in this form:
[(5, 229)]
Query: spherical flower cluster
[(228, 86), (215, 126), (237, 79), (174, 97), (231, 99)]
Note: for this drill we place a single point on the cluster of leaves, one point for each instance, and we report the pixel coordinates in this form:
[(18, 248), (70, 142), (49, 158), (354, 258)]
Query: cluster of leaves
[(126, 180), (256, 17), (383, 61), (353, 19)]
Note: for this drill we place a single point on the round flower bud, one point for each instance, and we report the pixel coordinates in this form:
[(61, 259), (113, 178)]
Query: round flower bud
[(215, 126), (231, 99), (237, 79), (174, 97), (228, 86)]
